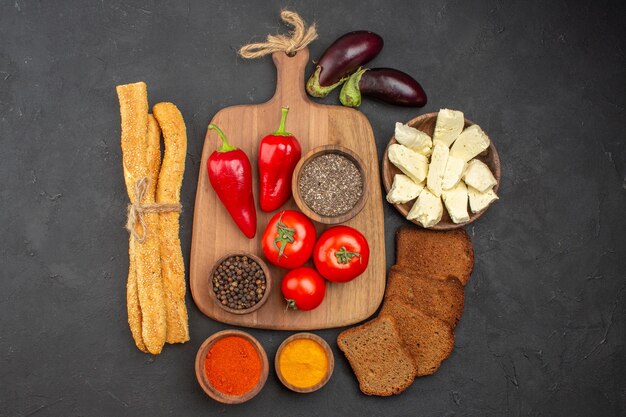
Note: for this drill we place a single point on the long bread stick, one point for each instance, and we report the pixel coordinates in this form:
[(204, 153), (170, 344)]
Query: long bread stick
[(134, 128), (153, 157), (168, 191), (145, 256)]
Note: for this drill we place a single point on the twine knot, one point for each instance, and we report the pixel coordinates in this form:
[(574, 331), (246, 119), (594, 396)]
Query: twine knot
[(297, 39), (137, 210)]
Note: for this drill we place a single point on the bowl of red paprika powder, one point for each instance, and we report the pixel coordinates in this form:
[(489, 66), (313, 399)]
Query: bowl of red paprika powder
[(231, 366)]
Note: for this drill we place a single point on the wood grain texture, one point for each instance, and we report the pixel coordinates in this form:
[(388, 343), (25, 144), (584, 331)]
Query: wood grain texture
[(215, 234), (426, 123)]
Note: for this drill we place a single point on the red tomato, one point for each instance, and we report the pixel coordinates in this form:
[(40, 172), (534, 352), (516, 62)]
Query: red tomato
[(341, 254), (288, 239), (303, 288)]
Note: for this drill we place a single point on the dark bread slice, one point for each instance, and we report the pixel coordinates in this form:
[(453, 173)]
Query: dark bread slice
[(443, 299), (381, 363), (436, 253), (428, 339)]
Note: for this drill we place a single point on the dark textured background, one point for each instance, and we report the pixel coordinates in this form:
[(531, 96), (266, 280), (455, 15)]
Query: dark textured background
[(544, 329)]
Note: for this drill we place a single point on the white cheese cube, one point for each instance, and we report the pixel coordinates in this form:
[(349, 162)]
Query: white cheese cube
[(449, 126), (427, 210), (403, 189), (453, 173), (414, 139), (455, 200), (479, 201), (479, 176), (470, 143), (413, 164), (437, 167)]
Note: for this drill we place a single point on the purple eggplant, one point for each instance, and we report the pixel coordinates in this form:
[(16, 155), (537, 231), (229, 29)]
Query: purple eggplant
[(386, 84), (345, 55)]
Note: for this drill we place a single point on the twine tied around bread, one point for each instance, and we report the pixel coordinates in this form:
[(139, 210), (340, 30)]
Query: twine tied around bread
[(297, 39), (136, 210)]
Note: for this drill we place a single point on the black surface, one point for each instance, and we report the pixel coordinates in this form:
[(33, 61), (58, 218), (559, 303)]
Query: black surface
[(544, 327)]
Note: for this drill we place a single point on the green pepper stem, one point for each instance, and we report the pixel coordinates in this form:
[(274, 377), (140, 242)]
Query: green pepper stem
[(226, 147), (283, 121)]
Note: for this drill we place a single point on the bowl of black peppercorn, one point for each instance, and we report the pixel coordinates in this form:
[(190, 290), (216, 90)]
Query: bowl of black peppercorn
[(240, 283)]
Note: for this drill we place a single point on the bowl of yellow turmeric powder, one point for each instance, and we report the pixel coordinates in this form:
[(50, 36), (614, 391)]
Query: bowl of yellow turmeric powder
[(304, 362)]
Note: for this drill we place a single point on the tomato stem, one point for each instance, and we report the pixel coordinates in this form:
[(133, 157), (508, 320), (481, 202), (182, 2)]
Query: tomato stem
[(344, 256), (291, 304), (284, 235)]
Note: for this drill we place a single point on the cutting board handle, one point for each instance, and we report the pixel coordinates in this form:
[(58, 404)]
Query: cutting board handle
[(290, 76)]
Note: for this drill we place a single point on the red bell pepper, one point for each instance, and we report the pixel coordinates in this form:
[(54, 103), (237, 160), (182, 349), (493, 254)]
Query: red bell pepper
[(230, 174), (279, 154)]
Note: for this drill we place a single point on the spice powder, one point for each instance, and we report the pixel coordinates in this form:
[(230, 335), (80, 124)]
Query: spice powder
[(331, 184), (233, 365), (303, 363)]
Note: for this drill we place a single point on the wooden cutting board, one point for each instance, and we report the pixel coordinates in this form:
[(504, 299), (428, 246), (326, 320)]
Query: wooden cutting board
[(215, 234)]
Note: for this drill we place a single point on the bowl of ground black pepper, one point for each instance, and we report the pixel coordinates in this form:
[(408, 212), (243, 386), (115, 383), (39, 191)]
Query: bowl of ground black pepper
[(330, 184), (240, 283)]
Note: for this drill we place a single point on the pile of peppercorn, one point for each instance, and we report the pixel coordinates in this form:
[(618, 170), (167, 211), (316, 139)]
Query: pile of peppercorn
[(239, 282)]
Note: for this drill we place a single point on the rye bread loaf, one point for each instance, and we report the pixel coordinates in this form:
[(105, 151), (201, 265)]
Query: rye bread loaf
[(436, 253), (378, 357), (429, 340), (443, 299)]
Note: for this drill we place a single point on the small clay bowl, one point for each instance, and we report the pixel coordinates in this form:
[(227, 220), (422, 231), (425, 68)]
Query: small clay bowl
[(329, 355), (426, 123), (295, 184), (268, 283), (206, 385)]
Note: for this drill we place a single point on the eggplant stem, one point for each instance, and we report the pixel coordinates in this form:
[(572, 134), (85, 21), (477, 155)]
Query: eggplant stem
[(314, 88), (350, 94)]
